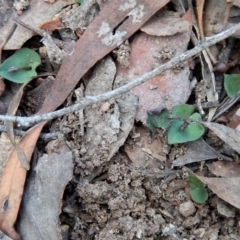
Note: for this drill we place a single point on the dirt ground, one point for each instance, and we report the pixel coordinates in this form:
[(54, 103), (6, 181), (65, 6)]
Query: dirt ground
[(125, 184)]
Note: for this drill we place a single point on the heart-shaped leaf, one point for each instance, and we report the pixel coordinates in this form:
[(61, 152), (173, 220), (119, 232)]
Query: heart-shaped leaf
[(181, 132), (160, 120), (20, 67), (183, 110), (198, 191), (232, 84)]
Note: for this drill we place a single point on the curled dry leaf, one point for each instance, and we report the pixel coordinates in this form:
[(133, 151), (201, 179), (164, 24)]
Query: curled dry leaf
[(12, 183)]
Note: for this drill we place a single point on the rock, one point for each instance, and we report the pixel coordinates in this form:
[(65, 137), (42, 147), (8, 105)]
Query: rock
[(187, 209)]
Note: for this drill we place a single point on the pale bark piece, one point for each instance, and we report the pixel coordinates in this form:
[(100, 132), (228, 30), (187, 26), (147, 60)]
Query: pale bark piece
[(228, 135), (37, 13), (165, 90), (42, 200), (196, 151)]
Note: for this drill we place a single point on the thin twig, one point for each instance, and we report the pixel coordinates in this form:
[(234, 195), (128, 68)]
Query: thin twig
[(44, 136), (89, 100)]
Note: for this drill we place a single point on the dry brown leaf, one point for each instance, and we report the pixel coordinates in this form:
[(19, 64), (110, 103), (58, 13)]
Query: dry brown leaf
[(167, 89), (12, 183), (226, 188), (42, 201), (228, 135), (13, 106), (224, 169), (52, 25), (196, 151)]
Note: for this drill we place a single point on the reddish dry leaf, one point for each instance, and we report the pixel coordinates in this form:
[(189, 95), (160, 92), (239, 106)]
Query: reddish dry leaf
[(99, 39), (12, 183), (235, 121), (167, 89), (225, 169), (52, 25)]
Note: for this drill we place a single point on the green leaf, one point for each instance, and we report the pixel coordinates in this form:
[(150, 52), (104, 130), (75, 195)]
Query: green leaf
[(196, 117), (199, 195), (183, 110), (232, 84), (20, 67), (179, 132), (79, 1), (198, 191), (194, 182), (160, 120)]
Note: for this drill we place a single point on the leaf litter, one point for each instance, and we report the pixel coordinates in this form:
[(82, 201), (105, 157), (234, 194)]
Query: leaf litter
[(122, 196)]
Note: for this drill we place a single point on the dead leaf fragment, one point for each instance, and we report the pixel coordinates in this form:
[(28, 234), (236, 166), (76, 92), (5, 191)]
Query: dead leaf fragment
[(42, 201), (224, 169), (226, 188), (167, 89), (12, 182), (196, 151), (52, 25), (228, 135)]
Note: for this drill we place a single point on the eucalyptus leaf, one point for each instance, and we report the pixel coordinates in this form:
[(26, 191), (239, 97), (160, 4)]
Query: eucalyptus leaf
[(20, 67), (232, 84), (181, 132)]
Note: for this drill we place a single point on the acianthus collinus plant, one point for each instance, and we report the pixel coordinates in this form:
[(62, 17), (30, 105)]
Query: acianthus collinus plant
[(181, 124), (20, 67), (198, 191)]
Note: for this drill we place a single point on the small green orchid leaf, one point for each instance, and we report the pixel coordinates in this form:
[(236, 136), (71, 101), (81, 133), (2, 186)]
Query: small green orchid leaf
[(194, 182), (183, 110), (232, 84), (177, 134), (20, 67), (199, 195), (198, 191), (196, 117), (160, 120), (79, 1)]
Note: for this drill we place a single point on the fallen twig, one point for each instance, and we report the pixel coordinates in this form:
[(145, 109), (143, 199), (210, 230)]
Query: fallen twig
[(89, 100)]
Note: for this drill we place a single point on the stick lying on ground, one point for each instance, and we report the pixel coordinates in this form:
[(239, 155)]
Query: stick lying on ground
[(89, 100)]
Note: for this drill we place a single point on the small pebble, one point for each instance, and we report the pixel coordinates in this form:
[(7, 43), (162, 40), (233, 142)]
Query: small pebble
[(187, 208)]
